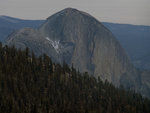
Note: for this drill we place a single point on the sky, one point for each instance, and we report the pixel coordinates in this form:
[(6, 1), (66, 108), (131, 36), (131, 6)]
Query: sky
[(118, 11)]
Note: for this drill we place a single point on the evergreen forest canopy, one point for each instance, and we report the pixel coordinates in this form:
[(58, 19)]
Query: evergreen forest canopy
[(30, 84)]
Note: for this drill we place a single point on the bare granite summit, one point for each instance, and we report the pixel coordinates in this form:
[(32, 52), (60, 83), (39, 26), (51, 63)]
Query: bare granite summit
[(78, 38)]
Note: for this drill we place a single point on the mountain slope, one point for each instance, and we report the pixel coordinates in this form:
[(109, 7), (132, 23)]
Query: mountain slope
[(79, 39), (135, 39)]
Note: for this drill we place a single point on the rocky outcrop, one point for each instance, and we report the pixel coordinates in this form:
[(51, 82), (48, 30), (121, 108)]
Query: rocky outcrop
[(79, 39)]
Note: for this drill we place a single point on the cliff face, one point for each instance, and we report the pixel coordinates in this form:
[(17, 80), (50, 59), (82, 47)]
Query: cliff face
[(79, 39)]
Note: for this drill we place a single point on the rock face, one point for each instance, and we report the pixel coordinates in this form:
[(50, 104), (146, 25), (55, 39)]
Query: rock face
[(135, 39), (79, 39)]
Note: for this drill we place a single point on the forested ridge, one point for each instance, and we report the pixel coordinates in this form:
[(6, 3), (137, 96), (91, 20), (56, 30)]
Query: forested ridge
[(30, 84)]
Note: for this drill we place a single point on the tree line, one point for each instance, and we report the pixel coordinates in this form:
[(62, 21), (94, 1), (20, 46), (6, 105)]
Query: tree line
[(30, 84)]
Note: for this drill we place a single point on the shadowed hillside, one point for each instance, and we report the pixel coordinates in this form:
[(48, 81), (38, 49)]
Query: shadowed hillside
[(37, 85)]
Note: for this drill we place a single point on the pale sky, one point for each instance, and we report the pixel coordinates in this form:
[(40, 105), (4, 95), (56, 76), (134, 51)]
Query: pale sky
[(118, 11)]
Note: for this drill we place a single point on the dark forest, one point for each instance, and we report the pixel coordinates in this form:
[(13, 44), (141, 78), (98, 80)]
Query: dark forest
[(30, 84)]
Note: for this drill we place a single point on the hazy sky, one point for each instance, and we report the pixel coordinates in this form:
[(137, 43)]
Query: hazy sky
[(119, 11)]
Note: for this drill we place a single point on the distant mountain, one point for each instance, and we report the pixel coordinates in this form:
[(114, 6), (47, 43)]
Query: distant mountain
[(78, 39), (10, 24), (135, 39)]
